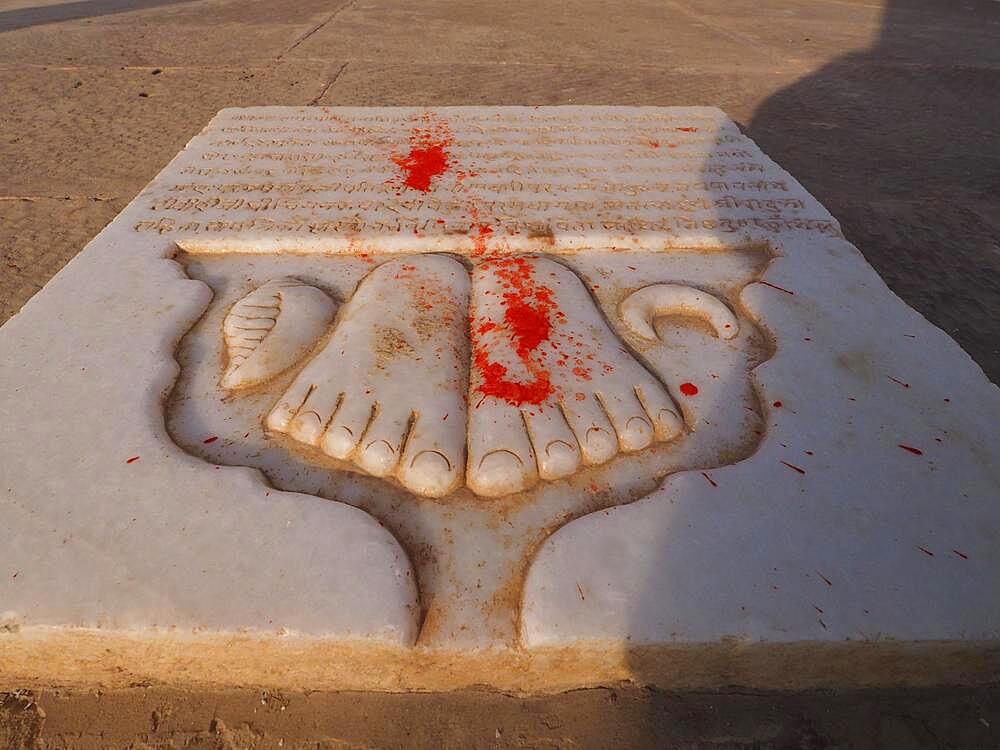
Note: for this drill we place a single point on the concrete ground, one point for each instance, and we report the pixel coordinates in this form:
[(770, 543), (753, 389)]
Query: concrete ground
[(887, 111)]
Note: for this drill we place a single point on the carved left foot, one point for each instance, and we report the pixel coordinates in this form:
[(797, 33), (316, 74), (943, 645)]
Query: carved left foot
[(388, 390), (551, 385)]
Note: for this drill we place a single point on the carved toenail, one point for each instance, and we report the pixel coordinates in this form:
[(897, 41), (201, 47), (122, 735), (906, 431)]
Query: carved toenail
[(638, 434), (426, 460), (378, 457), (669, 421), (307, 427), (279, 418), (643, 424), (497, 453), (386, 443), (599, 430), (338, 442), (559, 444)]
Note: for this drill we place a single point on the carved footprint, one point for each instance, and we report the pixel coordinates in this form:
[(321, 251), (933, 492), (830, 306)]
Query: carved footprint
[(551, 386), (387, 391), (271, 329)]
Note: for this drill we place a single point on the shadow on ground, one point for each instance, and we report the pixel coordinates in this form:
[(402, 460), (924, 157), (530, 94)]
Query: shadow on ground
[(897, 141), (23, 18), (900, 142)]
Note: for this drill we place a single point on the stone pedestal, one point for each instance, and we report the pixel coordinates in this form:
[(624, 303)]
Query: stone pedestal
[(528, 397)]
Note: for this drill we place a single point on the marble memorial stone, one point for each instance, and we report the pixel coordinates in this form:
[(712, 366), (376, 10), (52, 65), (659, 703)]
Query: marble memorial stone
[(527, 397)]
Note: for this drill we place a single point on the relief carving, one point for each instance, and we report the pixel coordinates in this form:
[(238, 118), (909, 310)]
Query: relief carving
[(495, 369), (472, 404), (271, 329), (532, 378)]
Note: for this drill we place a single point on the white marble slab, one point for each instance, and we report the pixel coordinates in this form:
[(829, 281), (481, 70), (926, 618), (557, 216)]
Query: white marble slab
[(505, 381)]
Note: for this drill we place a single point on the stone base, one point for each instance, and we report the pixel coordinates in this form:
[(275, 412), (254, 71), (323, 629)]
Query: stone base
[(534, 398)]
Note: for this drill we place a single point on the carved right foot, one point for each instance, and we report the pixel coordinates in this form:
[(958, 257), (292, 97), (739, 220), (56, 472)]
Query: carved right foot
[(388, 390), (551, 386)]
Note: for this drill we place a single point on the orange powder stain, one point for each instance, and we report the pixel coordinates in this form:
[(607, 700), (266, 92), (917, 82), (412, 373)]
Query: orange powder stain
[(480, 240), (428, 156), (528, 312), (689, 389)]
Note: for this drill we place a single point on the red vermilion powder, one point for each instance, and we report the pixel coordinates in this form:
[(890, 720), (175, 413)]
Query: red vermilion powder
[(427, 158), (527, 320)]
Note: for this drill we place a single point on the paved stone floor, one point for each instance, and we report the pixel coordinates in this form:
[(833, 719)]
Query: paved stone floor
[(886, 111)]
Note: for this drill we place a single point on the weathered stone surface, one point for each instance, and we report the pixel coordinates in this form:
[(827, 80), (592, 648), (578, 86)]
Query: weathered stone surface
[(598, 378)]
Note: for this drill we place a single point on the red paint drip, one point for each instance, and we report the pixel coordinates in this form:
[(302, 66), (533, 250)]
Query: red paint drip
[(689, 389), (777, 404), (779, 288), (483, 232), (793, 467), (914, 451), (212, 439), (427, 158), (687, 130), (527, 320), (132, 460)]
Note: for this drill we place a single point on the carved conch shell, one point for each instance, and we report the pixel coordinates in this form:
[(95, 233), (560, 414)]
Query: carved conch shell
[(643, 306), (272, 328)]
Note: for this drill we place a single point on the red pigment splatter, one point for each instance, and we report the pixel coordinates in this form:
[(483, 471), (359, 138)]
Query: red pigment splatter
[(132, 460), (710, 480), (212, 439), (914, 451), (653, 143), (427, 158), (961, 554), (924, 550), (689, 389), (779, 288), (793, 467), (687, 130), (483, 232), (777, 404), (528, 313)]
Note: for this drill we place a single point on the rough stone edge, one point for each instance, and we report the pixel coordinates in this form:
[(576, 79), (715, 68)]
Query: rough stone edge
[(40, 658)]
